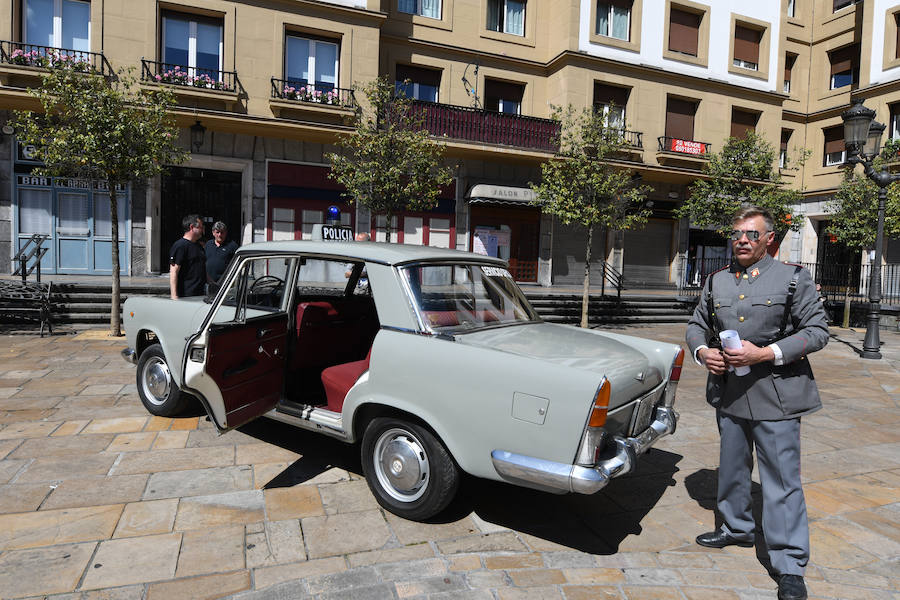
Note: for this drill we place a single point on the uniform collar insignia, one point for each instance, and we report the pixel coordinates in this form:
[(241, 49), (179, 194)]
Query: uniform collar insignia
[(754, 272)]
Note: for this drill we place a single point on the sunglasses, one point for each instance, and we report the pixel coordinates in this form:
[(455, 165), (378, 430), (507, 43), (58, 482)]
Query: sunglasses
[(751, 234)]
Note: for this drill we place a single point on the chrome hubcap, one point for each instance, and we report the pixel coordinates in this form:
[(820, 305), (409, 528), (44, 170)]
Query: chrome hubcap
[(401, 465), (156, 380)]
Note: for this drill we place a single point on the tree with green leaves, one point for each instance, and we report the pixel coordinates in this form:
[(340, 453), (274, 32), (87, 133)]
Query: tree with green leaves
[(389, 163), (580, 186), (742, 173), (853, 218), (101, 129)]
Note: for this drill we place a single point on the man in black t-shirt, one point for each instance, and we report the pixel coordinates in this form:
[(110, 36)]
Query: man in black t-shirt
[(187, 261), (219, 251)]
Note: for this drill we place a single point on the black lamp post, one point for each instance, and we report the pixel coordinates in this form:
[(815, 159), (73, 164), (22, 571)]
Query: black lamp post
[(862, 137)]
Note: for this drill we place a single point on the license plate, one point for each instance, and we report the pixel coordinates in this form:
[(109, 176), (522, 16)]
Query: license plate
[(643, 414)]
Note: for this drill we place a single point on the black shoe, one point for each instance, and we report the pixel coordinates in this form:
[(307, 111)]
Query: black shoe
[(791, 587), (720, 539)]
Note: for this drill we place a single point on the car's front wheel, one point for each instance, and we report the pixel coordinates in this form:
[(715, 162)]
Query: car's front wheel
[(158, 391), (408, 469)]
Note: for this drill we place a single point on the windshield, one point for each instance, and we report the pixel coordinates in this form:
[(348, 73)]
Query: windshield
[(461, 298)]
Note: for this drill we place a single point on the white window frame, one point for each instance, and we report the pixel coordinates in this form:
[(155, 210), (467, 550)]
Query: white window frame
[(609, 22), (420, 9), (894, 131), (503, 23), (57, 23), (791, 8), (782, 158), (833, 87), (787, 86), (311, 59), (745, 64), (833, 159), (192, 43), (501, 103), (610, 114)]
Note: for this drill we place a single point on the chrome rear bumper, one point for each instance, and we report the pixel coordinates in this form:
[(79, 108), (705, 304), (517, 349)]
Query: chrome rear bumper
[(129, 355), (563, 478)]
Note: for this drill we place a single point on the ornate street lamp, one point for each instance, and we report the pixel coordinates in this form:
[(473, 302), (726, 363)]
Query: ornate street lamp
[(862, 137), (198, 131)]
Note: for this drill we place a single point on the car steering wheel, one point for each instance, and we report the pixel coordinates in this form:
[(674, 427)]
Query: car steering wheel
[(267, 281)]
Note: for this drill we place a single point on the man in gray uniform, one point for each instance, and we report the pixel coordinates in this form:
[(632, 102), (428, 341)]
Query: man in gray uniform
[(775, 309)]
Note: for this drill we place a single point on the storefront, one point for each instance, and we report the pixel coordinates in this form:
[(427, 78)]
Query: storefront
[(504, 223), (74, 214), (298, 198)]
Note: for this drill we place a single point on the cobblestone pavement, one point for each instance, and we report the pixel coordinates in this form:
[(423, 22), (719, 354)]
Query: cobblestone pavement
[(98, 500)]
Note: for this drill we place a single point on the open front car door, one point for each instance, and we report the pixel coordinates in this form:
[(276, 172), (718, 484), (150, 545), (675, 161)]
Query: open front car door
[(236, 362)]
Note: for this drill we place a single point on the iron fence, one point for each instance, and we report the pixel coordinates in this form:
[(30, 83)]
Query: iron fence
[(287, 89), (182, 75), (490, 127), (46, 57), (833, 278)]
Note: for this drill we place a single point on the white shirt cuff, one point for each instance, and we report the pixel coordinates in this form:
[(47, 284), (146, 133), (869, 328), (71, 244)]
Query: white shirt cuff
[(697, 358), (779, 357)]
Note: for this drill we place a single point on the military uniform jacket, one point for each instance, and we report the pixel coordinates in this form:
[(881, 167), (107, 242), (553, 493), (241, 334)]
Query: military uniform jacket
[(752, 302)]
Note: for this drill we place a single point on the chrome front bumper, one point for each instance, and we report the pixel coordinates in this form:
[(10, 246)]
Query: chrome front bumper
[(562, 478), (129, 355)]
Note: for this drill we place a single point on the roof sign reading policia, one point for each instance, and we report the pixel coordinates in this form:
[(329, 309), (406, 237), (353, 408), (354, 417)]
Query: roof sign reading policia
[(332, 233)]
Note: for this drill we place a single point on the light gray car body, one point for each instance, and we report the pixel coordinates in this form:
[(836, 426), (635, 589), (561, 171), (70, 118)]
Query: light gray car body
[(509, 402)]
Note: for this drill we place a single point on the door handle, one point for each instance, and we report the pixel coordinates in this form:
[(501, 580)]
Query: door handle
[(242, 367), (262, 332)]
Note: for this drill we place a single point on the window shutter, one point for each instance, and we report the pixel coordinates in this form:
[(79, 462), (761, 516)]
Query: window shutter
[(834, 139), (785, 138), (742, 122), (897, 44), (504, 90), (684, 29), (746, 44), (843, 59), (606, 94), (789, 65), (419, 75), (680, 118)]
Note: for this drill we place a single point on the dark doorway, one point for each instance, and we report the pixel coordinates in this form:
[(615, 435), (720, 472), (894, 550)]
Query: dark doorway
[(839, 267), (214, 195)]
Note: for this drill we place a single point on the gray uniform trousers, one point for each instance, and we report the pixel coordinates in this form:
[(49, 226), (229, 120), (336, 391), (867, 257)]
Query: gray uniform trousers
[(784, 523)]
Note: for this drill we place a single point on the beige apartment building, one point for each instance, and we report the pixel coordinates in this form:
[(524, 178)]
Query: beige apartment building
[(265, 88)]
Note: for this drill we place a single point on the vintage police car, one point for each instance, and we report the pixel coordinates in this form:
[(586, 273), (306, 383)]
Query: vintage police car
[(432, 359)]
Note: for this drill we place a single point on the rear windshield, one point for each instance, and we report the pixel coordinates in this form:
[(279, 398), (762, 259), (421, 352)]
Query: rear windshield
[(460, 298)]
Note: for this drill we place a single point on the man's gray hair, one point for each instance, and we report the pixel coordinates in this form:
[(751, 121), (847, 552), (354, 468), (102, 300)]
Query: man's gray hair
[(219, 226), (748, 212)]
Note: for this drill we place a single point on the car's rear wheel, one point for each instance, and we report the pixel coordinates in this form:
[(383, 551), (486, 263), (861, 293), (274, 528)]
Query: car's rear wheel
[(158, 391), (408, 469)]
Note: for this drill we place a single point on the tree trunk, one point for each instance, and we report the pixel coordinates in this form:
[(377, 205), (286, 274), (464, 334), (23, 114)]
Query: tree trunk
[(115, 318), (587, 278), (846, 322), (387, 227)]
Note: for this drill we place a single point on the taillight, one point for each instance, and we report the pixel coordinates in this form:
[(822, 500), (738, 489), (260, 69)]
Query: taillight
[(601, 405), (675, 374)]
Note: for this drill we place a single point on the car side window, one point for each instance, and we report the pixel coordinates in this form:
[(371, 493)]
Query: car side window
[(256, 289), (322, 277)]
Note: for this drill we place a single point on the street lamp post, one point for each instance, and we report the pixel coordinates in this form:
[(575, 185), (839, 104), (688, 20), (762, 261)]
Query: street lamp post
[(862, 137)]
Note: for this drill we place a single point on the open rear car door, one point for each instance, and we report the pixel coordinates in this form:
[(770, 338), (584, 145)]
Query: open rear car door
[(236, 362)]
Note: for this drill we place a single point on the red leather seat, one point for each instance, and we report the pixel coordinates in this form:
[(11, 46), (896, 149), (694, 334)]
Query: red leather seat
[(338, 380)]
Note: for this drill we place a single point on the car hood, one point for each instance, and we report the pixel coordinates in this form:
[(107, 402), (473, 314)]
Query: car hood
[(628, 369)]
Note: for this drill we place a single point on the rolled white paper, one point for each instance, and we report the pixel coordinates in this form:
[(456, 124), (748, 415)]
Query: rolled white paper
[(732, 339)]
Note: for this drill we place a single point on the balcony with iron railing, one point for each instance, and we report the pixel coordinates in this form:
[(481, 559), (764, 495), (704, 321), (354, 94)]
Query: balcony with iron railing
[(193, 82), (467, 124), (291, 96), (24, 63), (676, 150)]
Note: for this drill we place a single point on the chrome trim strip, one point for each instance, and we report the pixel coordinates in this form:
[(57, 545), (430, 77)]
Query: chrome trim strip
[(313, 419), (562, 478), (129, 355)]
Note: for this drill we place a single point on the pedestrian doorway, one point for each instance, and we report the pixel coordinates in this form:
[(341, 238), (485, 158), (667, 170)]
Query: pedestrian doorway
[(510, 233), (214, 195)]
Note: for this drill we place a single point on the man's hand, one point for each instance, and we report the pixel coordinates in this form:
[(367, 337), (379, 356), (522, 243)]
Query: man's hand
[(748, 354), (713, 360)]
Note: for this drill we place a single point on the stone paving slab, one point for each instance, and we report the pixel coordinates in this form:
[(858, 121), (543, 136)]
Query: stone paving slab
[(99, 500)]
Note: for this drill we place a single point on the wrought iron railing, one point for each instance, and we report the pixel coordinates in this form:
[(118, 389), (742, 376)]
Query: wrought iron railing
[(680, 146), (614, 277), (833, 278), (46, 57), (287, 89), (630, 139), (194, 77), (488, 127)]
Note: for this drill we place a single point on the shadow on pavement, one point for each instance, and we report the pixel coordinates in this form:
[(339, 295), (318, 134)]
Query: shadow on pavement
[(595, 524), (702, 486)]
